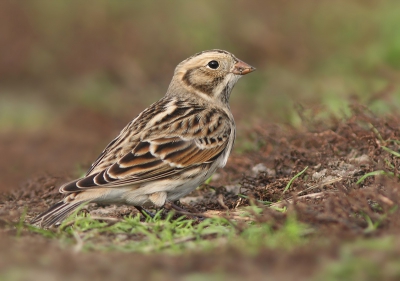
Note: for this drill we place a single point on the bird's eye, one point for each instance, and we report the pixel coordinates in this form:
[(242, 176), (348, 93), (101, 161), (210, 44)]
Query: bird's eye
[(213, 64)]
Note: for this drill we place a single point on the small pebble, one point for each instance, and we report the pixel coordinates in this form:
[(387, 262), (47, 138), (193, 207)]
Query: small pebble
[(319, 175)]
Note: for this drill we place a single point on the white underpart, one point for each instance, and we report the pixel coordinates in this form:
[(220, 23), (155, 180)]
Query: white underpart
[(173, 189)]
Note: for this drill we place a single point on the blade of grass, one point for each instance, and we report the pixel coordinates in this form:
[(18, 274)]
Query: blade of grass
[(388, 163), (395, 141), (391, 151), (374, 173), (20, 224), (44, 232), (295, 177), (376, 132), (372, 226), (260, 201)]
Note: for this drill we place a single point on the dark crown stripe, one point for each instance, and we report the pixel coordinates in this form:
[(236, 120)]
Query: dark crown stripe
[(208, 51)]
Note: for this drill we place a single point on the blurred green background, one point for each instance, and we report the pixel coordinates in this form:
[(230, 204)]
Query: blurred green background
[(116, 57)]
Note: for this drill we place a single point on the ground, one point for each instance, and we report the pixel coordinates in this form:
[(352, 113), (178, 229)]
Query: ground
[(325, 196), (310, 191)]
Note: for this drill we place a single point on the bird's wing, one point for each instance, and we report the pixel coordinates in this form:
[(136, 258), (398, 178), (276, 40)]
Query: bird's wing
[(163, 146)]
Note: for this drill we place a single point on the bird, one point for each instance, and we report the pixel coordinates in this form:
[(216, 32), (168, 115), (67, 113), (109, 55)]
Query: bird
[(169, 149)]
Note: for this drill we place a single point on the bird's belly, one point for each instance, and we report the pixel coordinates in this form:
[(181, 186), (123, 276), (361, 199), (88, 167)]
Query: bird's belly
[(174, 188), (188, 185), (184, 188)]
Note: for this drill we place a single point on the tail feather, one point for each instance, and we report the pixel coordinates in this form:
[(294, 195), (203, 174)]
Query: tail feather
[(56, 214)]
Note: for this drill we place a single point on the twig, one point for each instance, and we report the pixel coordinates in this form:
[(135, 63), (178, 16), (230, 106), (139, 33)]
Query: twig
[(322, 184), (79, 242), (193, 214), (232, 215), (107, 219), (290, 200), (386, 200), (220, 200)]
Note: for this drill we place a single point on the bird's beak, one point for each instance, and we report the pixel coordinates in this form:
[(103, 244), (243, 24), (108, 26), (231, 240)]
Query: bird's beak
[(242, 68)]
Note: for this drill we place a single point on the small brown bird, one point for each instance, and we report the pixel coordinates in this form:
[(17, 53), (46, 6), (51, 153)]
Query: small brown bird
[(170, 148)]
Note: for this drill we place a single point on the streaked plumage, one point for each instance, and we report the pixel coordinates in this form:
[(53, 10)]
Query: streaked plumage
[(170, 148)]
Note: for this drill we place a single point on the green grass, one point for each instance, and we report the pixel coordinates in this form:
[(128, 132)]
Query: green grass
[(366, 259), (292, 179), (312, 62), (374, 225), (175, 235), (17, 114), (391, 169), (374, 173)]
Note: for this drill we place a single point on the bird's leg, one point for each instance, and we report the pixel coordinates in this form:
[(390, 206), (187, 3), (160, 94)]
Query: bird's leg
[(144, 212)]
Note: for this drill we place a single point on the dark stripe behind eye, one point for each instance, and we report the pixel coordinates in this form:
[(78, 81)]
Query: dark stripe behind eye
[(206, 88)]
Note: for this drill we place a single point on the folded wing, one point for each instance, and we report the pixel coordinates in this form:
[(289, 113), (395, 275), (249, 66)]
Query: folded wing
[(198, 139)]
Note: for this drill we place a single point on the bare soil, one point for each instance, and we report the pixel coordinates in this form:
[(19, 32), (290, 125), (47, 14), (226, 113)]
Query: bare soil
[(326, 197)]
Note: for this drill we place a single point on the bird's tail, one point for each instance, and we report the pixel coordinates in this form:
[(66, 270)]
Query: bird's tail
[(56, 213)]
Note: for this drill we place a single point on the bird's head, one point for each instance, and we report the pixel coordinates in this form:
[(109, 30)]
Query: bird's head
[(211, 74)]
